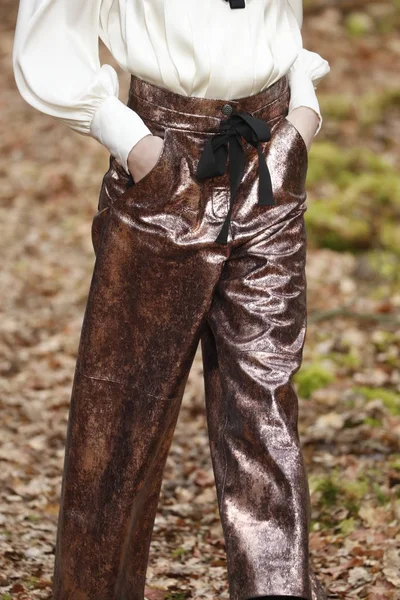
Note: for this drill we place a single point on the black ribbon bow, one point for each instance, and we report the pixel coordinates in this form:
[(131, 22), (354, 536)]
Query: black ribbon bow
[(236, 3), (213, 159)]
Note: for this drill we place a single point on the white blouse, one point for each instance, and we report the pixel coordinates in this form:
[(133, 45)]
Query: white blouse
[(192, 47)]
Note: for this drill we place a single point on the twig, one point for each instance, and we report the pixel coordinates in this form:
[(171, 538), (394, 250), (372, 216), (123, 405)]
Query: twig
[(317, 316)]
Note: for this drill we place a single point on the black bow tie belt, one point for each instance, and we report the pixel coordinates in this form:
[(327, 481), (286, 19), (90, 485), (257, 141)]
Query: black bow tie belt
[(213, 159)]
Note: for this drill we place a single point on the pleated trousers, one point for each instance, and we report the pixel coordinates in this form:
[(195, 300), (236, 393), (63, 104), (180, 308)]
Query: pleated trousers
[(161, 285)]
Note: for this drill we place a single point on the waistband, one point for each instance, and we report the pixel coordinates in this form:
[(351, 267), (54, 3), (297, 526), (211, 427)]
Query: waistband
[(194, 113)]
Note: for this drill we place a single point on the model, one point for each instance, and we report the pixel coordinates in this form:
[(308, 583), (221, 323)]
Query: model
[(199, 237)]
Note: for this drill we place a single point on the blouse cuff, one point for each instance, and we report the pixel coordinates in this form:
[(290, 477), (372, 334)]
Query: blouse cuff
[(304, 77), (118, 128)]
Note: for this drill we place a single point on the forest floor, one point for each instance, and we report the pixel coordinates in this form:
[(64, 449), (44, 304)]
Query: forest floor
[(349, 383)]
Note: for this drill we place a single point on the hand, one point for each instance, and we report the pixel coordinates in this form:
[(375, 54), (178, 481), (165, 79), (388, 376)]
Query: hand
[(144, 156), (306, 121)]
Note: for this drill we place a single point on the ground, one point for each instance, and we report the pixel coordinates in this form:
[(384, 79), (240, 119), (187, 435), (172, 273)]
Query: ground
[(349, 384)]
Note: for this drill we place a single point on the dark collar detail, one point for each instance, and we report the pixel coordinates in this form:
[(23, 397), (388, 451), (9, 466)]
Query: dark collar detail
[(236, 3)]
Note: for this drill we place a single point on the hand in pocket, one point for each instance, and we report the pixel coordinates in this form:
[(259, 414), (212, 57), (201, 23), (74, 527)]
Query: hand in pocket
[(305, 120), (144, 156)]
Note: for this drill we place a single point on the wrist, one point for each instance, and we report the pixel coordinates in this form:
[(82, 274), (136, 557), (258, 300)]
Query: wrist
[(136, 149), (307, 115), (118, 128)]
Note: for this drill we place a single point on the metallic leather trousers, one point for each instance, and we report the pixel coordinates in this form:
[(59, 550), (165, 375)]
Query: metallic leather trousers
[(160, 286)]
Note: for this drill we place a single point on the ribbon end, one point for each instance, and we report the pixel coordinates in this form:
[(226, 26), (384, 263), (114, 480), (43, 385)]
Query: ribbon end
[(267, 200)]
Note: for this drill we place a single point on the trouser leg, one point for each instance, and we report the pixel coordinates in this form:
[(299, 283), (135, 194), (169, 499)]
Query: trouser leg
[(252, 346), (147, 300)]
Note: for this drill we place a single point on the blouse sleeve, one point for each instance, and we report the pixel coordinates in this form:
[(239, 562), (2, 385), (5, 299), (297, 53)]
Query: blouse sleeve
[(306, 72), (57, 71)]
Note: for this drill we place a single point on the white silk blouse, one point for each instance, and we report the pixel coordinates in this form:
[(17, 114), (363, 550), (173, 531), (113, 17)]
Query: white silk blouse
[(192, 47)]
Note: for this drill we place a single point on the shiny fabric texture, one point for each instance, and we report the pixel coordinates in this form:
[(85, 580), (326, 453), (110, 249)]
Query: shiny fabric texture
[(160, 286)]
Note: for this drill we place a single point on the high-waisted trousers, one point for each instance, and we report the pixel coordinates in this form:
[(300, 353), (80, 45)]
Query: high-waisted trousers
[(161, 285)]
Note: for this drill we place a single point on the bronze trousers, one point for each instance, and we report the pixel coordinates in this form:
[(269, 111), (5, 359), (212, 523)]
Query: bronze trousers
[(161, 285)]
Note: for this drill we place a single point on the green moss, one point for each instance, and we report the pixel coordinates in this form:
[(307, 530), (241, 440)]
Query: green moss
[(32, 582), (6, 597), (347, 526), (313, 481), (348, 493), (352, 506), (382, 497), (383, 339), (363, 209), (328, 159), (395, 464), (390, 399), (373, 105), (358, 24), (34, 518), (385, 264), (357, 488), (367, 109), (380, 291), (327, 227), (329, 489), (349, 403), (350, 359), (387, 25), (311, 378), (353, 493), (390, 236), (178, 552), (315, 525), (372, 422), (381, 188), (338, 107), (7, 532)]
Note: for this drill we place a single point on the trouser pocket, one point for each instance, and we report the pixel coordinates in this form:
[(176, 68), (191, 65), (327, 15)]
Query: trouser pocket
[(287, 158), (118, 185)]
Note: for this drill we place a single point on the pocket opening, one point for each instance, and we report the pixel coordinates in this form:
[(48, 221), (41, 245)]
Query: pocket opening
[(299, 137), (160, 159), (131, 185)]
